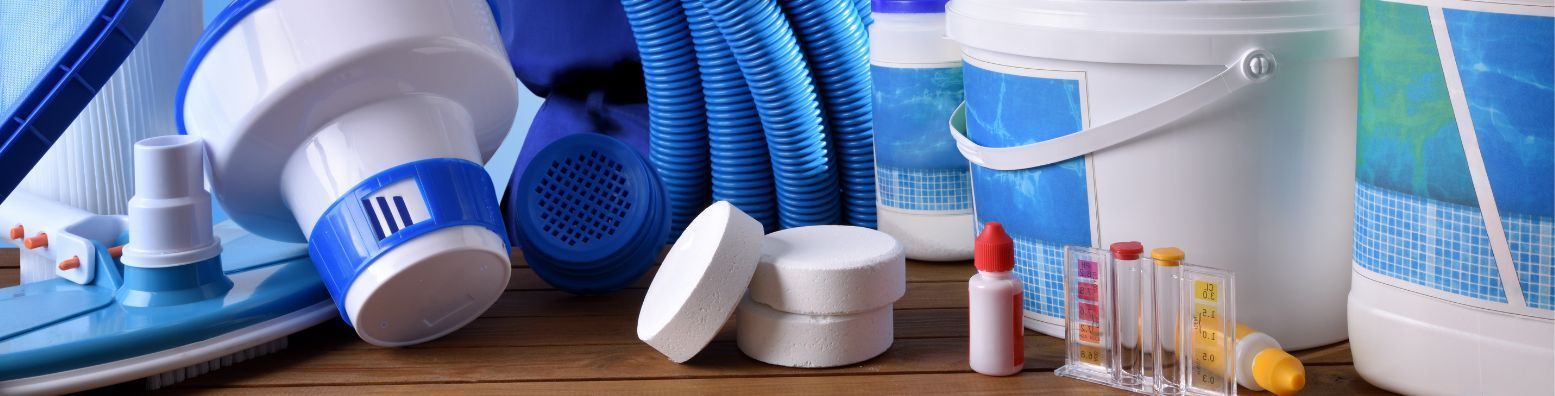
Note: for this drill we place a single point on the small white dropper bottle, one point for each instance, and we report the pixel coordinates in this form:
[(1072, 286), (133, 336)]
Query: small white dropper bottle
[(997, 344)]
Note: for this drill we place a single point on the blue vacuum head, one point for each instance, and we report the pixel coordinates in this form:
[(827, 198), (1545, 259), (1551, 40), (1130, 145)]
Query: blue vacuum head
[(57, 55), (589, 214), (163, 324)]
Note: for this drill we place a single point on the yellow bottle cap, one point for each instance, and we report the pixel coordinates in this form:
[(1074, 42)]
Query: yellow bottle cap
[(1279, 372), (1167, 256)]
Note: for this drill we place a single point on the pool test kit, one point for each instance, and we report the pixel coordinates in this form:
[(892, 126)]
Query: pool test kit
[(1151, 325)]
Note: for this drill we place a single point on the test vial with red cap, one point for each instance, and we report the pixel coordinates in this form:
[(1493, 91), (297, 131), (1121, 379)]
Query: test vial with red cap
[(997, 344), (1132, 308)]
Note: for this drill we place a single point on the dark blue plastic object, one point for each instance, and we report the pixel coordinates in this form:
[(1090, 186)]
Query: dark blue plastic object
[(56, 325), (348, 238), (909, 6), (37, 119), (742, 170), (837, 48), (562, 115), (224, 21), (588, 214), (571, 48), (678, 143), (774, 67)]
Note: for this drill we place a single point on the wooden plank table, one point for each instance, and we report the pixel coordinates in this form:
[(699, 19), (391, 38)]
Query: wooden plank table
[(542, 341)]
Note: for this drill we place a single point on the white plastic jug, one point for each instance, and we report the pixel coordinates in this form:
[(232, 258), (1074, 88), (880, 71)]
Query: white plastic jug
[(924, 188), (1225, 128)]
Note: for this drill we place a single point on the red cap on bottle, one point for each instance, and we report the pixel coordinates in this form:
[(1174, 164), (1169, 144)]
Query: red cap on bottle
[(994, 251), (1127, 250)]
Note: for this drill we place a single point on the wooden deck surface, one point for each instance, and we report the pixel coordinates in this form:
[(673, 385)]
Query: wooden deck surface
[(537, 340)]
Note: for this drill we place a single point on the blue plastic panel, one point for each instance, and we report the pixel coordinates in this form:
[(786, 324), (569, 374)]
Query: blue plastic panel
[(57, 55)]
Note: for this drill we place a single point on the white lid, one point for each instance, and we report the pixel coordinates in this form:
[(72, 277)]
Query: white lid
[(829, 270), (429, 286), (700, 281), (1201, 32)]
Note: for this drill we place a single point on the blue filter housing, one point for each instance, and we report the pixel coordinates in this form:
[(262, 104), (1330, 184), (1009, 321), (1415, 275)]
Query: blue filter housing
[(56, 57), (588, 213)]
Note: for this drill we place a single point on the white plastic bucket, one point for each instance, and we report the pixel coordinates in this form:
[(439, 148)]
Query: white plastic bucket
[(1225, 128), (924, 188), (1454, 279)]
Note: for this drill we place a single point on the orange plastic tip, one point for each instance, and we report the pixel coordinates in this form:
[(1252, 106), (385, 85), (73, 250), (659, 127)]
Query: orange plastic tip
[(70, 263), (36, 241), (116, 251), (17, 232)]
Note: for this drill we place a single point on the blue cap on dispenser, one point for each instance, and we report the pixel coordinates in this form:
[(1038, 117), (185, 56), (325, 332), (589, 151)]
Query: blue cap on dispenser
[(909, 6)]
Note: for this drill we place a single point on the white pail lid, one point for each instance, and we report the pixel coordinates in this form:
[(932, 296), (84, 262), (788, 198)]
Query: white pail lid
[(1204, 32)]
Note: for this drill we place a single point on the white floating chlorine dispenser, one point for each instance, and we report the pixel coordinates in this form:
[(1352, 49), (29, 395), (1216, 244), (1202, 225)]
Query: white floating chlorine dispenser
[(360, 126)]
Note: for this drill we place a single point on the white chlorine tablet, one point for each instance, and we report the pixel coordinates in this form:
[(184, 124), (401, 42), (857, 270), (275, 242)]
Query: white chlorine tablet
[(701, 280), (796, 340), (829, 270)]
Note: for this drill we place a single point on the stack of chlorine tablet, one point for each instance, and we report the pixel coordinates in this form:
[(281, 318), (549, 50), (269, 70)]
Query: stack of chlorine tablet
[(819, 296)]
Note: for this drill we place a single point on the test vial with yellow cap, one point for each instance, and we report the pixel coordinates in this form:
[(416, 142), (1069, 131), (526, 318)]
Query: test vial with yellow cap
[(1167, 317)]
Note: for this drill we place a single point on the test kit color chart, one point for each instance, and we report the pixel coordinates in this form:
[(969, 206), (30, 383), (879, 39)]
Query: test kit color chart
[(1149, 326), (1090, 310)]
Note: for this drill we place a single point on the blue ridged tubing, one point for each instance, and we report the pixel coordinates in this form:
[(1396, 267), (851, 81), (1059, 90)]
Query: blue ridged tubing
[(677, 120), (742, 170), (865, 11), (838, 52), (782, 94)]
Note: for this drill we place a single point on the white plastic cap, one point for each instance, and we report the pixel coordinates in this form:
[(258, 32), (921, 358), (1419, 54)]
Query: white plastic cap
[(429, 286), (170, 214)]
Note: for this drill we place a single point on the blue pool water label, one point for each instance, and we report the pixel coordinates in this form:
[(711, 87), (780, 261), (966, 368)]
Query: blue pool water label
[(1455, 197), (1042, 208), (918, 169)]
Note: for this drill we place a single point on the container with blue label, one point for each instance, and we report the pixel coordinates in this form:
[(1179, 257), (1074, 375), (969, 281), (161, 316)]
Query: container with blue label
[(365, 139), (1455, 197), (1222, 127), (924, 188)]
